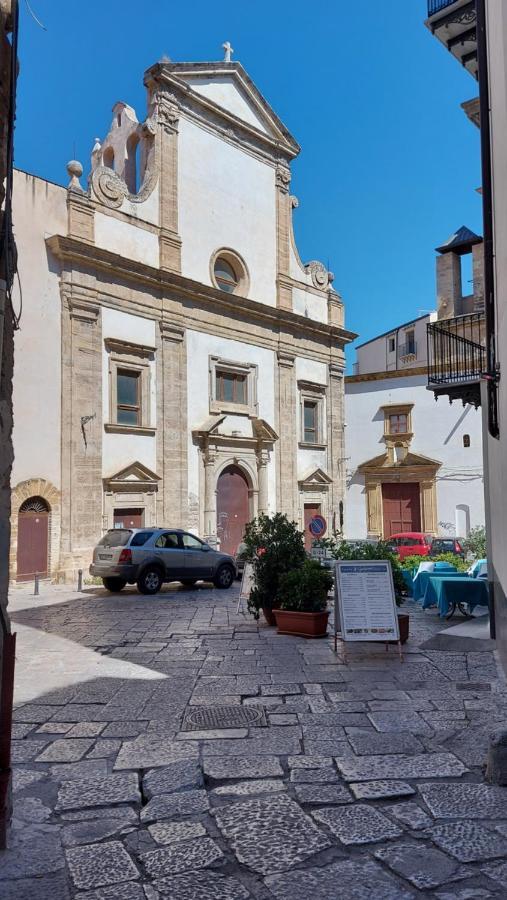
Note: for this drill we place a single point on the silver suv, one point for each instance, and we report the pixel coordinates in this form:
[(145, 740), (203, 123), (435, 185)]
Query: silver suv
[(149, 556)]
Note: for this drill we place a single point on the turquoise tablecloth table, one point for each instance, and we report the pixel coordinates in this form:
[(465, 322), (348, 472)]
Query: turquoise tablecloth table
[(409, 580), (421, 580), (443, 592)]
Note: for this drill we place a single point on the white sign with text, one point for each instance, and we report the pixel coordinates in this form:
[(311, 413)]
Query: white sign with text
[(365, 603)]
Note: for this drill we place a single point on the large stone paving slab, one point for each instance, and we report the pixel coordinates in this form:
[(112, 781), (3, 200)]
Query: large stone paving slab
[(402, 720), (250, 826), (250, 788), (165, 806), (465, 801), (342, 880), (322, 793), (100, 864), (92, 831), (425, 867), (176, 777), (171, 832), (201, 886), (381, 790), (99, 791), (218, 767), (150, 751), (468, 841), (268, 744), (358, 824), (411, 815), (184, 856), (33, 850), (423, 765), (44, 887), (372, 743), (126, 891)]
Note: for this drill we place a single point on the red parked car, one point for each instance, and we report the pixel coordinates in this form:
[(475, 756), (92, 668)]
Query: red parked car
[(410, 543)]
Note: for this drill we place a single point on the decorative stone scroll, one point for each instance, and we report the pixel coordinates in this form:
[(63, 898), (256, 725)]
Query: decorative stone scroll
[(111, 190), (320, 276)]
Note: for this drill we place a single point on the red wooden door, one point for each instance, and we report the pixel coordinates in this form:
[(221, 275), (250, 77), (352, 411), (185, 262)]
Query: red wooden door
[(311, 510), (402, 508), (32, 554), (233, 508), (128, 518)]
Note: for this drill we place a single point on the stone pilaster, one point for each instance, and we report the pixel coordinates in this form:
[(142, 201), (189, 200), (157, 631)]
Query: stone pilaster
[(286, 447), (335, 443), (80, 216), (283, 229), (262, 476), (81, 431), (172, 426), (210, 492), (169, 239)]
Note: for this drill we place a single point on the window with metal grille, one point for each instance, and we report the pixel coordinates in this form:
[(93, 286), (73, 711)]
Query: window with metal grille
[(34, 504), (128, 397)]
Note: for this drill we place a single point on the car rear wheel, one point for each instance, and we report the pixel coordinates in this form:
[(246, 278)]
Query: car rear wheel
[(150, 581), (224, 577), (114, 584), (189, 582)]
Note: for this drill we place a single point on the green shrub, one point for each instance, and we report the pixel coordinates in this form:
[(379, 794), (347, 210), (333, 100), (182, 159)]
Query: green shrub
[(475, 543), (364, 550), (276, 546), (412, 562), (305, 589)]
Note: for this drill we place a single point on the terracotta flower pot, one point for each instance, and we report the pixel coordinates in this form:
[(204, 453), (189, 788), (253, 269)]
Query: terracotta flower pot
[(303, 624)]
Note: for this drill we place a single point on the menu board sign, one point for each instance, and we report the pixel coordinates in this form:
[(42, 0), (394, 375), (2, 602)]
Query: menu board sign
[(365, 605)]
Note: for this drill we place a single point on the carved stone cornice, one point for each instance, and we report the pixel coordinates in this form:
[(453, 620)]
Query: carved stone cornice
[(171, 332), (82, 309), (285, 359), (116, 345), (282, 178), (167, 111)]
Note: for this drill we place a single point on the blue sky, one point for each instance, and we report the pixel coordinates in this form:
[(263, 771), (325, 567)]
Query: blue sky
[(389, 162)]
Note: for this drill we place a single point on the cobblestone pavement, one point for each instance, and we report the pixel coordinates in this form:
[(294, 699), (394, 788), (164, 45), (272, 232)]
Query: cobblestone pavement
[(315, 778)]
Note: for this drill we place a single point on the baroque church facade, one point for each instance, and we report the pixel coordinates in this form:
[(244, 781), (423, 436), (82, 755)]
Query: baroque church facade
[(177, 362)]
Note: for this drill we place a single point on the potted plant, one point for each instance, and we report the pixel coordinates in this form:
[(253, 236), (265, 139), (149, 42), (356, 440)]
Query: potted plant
[(275, 546), (365, 550), (302, 601)]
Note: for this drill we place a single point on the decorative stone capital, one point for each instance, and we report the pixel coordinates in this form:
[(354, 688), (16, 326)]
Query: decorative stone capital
[(282, 178), (286, 359), (262, 458), (171, 332), (336, 371), (167, 111), (82, 309)]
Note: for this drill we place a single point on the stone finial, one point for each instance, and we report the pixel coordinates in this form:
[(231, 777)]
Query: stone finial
[(96, 154), (228, 50), (75, 170)]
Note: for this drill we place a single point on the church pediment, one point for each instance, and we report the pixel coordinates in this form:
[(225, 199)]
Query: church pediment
[(135, 476), (388, 461), (225, 86), (315, 478)]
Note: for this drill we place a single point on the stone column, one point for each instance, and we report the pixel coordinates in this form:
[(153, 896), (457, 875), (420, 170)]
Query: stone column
[(169, 239), (283, 228), (210, 493), (335, 443), (172, 427), (262, 475), (82, 491), (286, 448)]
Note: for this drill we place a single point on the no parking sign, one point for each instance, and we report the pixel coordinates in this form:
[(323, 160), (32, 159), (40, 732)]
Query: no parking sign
[(317, 526)]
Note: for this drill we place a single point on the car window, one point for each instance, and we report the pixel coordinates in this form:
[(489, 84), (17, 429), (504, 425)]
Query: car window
[(167, 541), (191, 543), (117, 537), (140, 538)]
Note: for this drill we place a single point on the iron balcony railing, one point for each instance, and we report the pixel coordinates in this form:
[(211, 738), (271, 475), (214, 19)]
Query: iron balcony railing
[(434, 6), (456, 350)]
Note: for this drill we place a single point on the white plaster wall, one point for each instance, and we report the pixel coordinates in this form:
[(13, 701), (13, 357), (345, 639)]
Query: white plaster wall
[(224, 91), (310, 370), (119, 450), (309, 305), (200, 347), (39, 211), (438, 433), (147, 211), (375, 356), (226, 199), (127, 240)]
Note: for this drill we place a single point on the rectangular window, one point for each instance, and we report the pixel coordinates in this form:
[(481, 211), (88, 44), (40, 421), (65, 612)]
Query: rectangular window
[(398, 424), (310, 422), (391, 345), (410, 342), (231, 387), (128, 397)]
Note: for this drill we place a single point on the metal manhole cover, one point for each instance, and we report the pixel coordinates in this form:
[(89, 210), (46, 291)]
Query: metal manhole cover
[(207, 718)]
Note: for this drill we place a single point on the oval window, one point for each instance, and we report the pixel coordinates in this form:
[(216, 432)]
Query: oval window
[(225, 276)]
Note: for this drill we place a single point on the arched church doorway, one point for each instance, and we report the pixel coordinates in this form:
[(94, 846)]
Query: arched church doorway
[(33, 539), (233, 508)]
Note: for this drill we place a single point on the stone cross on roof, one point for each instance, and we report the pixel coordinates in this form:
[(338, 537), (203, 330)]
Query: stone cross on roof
[(228, 50)]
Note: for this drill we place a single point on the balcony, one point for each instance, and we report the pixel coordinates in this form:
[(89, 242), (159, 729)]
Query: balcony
[(453, 22), (457, 357), (405, 351)]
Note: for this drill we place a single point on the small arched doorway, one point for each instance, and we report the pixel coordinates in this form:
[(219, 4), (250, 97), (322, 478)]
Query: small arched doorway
[(233, 508), (33, 539)]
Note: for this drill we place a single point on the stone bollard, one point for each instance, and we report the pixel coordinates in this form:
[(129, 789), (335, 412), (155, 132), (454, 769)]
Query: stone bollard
[(496, 767), (36, 585), (80, 580)]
